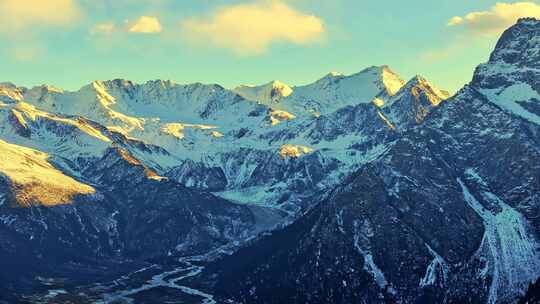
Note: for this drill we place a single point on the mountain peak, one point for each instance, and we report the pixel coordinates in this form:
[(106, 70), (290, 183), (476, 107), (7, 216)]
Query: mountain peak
[(510, 77), (267, 93), (44, 89), (528, 21), (412, 103), (388, 78), (333, 74), (330, 77), (9, 92), (378, 68), (276, 83), (417, 79), (519, 45), (419, 84), (392, 82), (8, 85)]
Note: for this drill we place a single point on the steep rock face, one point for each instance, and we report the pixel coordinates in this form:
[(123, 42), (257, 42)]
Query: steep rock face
[(510, 78), (448, 213), (412, 103)]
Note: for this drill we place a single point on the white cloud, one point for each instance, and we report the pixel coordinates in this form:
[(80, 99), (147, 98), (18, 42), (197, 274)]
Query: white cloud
[(17, 15), (495, 20), (249, 29), (145, 24)]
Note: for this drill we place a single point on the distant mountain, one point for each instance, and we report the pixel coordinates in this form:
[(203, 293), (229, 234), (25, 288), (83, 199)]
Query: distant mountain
[(268, 94), (335, 91), (412, 103)]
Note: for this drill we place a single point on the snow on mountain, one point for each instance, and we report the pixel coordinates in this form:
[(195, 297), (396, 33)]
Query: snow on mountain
[(170, 102), (510, 79), (34, 181), (293, 151), (69, 137), (188, 131), (10, 92), (396, 192), (335, 91), (127, 106), (447, 211), (507, 243), (412, 103), (268, 94), (91, 101), (278, 116)]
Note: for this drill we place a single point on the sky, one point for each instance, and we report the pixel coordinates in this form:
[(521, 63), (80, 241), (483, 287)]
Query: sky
[(69, 43)]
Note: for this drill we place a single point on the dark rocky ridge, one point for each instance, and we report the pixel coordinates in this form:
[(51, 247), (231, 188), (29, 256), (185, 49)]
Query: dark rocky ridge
[(414, 225)]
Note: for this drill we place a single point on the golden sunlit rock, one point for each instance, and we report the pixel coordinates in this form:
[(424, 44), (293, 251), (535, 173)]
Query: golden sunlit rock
[(293, 151), (34, 181)]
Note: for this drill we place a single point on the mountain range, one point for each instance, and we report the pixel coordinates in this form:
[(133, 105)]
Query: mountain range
[(363, 188)]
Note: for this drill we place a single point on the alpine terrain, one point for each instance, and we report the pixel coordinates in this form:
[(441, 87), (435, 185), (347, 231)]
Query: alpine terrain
[(362, 188)]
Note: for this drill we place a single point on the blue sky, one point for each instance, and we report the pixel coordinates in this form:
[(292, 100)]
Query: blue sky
[(68, 43)]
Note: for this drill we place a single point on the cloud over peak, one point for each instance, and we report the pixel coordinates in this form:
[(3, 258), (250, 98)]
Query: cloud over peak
[(250, 29), (495, 20)]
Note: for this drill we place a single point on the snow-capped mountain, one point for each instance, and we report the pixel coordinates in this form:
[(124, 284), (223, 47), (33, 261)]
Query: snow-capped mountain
[(448, 213), (412, 103), (374, 189), (268, 94), (335, 91)]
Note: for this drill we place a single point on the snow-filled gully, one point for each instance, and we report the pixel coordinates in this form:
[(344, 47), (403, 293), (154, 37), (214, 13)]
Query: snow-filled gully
[(511, 253)]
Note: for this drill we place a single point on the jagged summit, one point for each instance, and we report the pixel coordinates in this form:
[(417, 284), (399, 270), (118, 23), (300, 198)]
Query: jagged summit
[(7, 84), (125, 84), (334, 74), (45, 89), (267, 93), (389, 78), (417, 79), (519, 44), (335, 91), (511, 77), (9, 92), (419, 83), (392, 81), (528, 21), (412, 103)]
